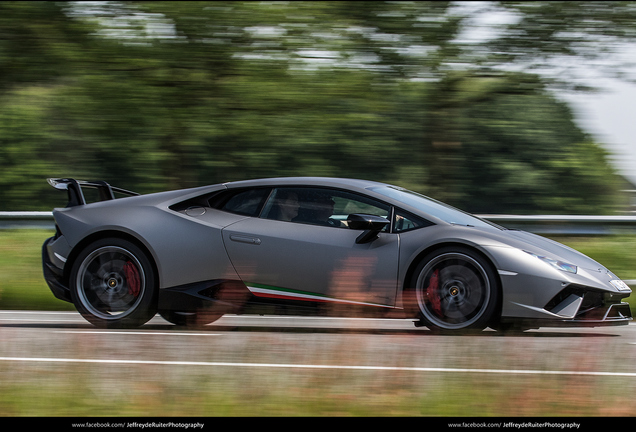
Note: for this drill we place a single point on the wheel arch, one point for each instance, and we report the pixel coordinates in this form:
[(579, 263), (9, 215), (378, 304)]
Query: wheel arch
[(408, 287), (409, 283), (99, 235)]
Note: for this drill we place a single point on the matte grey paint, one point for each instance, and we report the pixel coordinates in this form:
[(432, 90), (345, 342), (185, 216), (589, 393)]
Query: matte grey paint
[(317, 259), (211, 244)]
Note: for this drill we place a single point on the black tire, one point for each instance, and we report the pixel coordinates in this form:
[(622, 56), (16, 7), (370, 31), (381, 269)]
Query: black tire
[(456, 290), (113, 284)]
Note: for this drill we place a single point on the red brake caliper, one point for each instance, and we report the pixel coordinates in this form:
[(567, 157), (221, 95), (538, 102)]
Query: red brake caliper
[(432, 292), (132, 276)]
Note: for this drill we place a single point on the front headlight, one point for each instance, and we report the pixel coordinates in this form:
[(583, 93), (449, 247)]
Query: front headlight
[(559, 265)]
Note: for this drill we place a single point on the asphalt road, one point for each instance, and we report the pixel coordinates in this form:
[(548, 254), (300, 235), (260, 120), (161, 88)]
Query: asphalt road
[(282, 345), (54, 336)]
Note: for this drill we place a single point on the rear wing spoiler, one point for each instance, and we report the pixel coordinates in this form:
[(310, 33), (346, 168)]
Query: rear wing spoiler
[(76, 196)]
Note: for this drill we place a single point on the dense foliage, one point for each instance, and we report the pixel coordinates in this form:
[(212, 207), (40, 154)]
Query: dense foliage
[(159, 95)]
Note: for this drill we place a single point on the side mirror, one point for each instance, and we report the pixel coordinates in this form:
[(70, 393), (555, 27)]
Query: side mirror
[(371, 224)]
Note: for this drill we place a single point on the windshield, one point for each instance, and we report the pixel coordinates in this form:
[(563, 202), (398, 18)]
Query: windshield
[(434, 208)]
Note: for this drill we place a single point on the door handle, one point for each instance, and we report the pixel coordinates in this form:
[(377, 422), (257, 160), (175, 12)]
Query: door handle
[(245, 239)]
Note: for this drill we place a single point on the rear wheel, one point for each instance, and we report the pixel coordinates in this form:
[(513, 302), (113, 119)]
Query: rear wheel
[(456, 290), (113, 284)]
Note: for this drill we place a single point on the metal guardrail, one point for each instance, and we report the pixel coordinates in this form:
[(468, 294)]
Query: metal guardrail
[(540, 224), (567, 224), (26, 219)]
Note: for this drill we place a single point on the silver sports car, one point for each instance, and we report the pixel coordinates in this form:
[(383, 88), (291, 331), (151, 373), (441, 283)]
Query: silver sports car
[(313, 246)]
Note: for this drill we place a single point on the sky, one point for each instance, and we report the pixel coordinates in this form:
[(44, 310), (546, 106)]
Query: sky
[(609, 117)]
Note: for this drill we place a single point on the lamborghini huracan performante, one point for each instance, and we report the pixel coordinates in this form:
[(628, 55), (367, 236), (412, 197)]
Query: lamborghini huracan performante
[(313, 246)]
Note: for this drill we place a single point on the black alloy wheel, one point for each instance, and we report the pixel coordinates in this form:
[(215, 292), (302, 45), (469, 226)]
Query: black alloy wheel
[(113, 284), (456, 289)]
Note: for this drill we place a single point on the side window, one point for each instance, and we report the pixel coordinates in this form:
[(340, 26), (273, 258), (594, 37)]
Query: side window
[(283, 204), (404, 221), (247, 202), (320, 206)]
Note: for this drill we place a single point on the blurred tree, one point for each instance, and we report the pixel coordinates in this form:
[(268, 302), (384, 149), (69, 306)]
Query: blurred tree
[(503, 143), (568, 41), (23, 166), (39, 47), (38, 42), (156, 95)]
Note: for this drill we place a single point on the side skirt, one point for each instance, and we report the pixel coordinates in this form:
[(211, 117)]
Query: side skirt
[(231, 296)]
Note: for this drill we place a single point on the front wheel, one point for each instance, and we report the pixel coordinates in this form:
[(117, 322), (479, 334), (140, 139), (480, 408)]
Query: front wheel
[(456, 289), (113, 284)]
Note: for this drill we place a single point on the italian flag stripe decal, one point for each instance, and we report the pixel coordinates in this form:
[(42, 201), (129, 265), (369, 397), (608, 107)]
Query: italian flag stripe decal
[(260, 290)]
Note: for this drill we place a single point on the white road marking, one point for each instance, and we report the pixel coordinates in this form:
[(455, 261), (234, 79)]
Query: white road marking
[(310, 366)]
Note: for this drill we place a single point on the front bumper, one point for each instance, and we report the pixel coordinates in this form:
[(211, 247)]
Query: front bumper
[(575, 306), (591, 307)]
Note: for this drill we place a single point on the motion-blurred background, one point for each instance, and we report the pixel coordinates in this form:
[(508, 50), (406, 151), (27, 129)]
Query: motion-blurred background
[(462, 101), (479, 104)]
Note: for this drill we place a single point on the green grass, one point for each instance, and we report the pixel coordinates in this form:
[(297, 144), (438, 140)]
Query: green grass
[(22, 285)]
